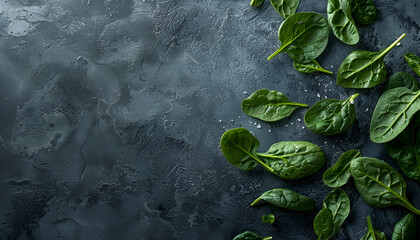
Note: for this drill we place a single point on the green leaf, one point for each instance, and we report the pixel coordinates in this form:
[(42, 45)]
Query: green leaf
[(323, 224), (256, 3), (303, 36), (287, 199), (285, 8), (373, 234), (402, 79), (339, 174), (294, 159), (330, 116), (364, 11), (270, 218), (406, 228), (339, 205), (269, 106), (413, 61), (379, 184), (364, 69), (309, 66), (341, 21), (393, 113), (248, 235)]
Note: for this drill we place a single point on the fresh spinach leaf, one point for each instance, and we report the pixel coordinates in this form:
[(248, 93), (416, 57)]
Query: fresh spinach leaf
[(392, 114), (406, 228), (341, 22), (285, 8), (269, 106), (364, 69), (413, 61), (373, 234), (364, 11), (309, 66), (402, 79), (303, 36), (288, 199), (248, 235), (339, 205), (270, 218), (331, 116), (323, 224), (256, 3), (339, 174), (379, 184)]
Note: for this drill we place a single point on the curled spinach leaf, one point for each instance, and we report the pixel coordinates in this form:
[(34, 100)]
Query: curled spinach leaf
[(393, 113), (364, 69), (379, 184), (406, 228), (285, 8), (270, 218), (373, 234), (413, 61), (339, 174), (341, 21), (330, 116), (256, 3), (339, 205), (269, 106), (402, 79), (303, 36), (248, 235), (323, 224), (287, 199), (309, 66), (364, 11)]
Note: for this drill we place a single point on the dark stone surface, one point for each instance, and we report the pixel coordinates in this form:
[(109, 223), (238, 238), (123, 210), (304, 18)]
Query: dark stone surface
[(111, 114)]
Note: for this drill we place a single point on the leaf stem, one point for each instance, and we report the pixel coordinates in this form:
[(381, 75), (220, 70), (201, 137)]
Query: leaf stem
[(393, 44), (252, 2), (370, 227), (323, 70), (277, 52), (262, 163), (267, 238), (410, 207), (350, 99)]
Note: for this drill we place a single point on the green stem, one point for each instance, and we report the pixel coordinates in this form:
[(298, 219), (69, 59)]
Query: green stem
[(267, 238), (255, 158), (255, 202), (324, 70), (351, 99), (277, 52), (410, 207), (393, 44), (272, 156), (252, 2)]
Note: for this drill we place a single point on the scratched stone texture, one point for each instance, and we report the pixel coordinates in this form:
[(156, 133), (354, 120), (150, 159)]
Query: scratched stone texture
[(111, 114)]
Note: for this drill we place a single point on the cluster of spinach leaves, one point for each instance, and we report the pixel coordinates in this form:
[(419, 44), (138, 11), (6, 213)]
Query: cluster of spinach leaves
[(405, 229)]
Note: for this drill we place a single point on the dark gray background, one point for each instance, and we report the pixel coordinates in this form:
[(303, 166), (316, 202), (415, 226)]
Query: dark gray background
[(111, 114)]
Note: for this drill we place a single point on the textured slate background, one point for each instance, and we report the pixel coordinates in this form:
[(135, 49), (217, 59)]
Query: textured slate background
[(111, 114)]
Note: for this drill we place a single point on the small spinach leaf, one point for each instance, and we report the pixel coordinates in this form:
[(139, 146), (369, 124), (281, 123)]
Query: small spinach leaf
[(256, 3), (364, 11), (339, 205), (330, 116), (269, 106), (406, 228), (373, 234), (285, 8), (248, 235), (379, 184), (309, 66), (364, 69), (413, 61), (339, 174), (323, 224), (341, 21), (288, 199), (402, 79), (270, 218), (303, 36)]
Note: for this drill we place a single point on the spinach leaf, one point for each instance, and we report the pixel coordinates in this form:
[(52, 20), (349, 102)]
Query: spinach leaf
[(364, 69), (269, 106), (393, 113), (413, 61), (304, 36), (293, 159), (364, 11), (373, 234), (379, 184), (402, 79), (285, 8), (309, 66), (248, 235), (288, 199), (270, 218), (341, 21), (256, 3), (339, 174), (406, 228), (330, 116), (339, 205), (323, 224)]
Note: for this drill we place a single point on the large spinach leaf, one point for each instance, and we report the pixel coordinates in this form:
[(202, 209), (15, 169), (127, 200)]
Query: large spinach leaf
[(406, 228), (373, 234), (413, 61), (330, 116), (248, 235), (285, 8), (323, 224), (402, 79), (364, 69), (309, 66), (269, 106), (379, 184), (339, 174), (364, 11), (304, 36), (393, 113), (341, 21), (339, 205), (288, 199)]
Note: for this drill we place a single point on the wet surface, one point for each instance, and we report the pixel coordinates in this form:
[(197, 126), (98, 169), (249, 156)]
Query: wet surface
[(112, 111)]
